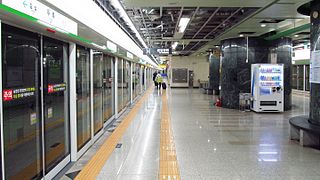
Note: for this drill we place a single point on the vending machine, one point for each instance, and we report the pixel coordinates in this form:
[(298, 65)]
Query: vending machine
[(267, 87)]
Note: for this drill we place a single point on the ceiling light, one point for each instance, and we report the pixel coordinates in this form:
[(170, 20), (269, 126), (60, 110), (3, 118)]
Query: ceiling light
[(151, 11), (296, 35), (263, 25), (241, 35), (183, 24), (174, 45)]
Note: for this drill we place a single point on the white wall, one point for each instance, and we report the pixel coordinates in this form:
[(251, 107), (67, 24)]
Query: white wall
[(199, 65)]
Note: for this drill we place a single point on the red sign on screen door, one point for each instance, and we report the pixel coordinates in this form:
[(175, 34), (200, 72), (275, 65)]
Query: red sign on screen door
[(7, 95), (50, 88)]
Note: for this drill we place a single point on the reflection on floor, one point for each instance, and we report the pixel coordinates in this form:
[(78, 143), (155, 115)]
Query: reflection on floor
[(212, 142)]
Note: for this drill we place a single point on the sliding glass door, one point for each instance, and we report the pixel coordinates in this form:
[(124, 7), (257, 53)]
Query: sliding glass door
[(126, 87), (136, 80), (107, 88), (21, 103), (120, 84), (307, 78), (56, 109), (35, 119), (83, 96), (97, 91)]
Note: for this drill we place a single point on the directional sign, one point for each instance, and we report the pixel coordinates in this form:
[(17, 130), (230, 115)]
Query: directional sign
[(157, 51)]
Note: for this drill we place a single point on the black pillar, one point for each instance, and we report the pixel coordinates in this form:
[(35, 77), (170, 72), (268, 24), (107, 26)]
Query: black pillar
[(214, 71), (236, 67), (315, 46), (282, 49)]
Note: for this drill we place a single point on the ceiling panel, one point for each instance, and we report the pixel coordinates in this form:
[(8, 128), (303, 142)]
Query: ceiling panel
[(192, 3)]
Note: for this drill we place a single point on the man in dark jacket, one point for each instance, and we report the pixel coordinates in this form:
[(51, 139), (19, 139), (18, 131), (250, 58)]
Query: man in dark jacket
[(154, 79)]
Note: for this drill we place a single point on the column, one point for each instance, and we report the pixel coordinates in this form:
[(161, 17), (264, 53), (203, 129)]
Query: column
[(282, 50), (214, 71), (315, 46), (237, 56)]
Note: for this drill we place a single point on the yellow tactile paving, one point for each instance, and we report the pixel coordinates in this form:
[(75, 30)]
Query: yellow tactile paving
[(96, 163), (168, 165)]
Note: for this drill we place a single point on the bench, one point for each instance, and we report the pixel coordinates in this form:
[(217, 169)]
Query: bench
[(303, 131)]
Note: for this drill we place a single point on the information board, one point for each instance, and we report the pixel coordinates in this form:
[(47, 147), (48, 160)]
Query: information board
[(315, 67)]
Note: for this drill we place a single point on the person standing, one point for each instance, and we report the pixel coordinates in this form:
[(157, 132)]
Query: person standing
[(159, 80), (154, 79)]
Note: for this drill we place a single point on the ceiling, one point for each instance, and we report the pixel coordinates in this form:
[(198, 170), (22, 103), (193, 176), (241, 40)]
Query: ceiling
[(210, 21), (159, 25)]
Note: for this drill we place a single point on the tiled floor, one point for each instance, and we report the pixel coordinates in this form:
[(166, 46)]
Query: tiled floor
[(212, 142), (218, 143), (138, 157)]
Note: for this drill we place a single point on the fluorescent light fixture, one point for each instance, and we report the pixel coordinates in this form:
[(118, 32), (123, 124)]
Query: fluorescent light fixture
[(183, 24), (263, 25), (269, 153), (151, 11), (267, 145), (174, 45)]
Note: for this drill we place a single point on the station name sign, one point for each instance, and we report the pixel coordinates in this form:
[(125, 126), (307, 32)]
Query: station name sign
[(157, 51), (44, 14)]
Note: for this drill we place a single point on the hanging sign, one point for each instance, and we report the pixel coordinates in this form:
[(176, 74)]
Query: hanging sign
[(111, 46), (157, 51), (141, 61), (13, 94), (129, 55), (44, 14)]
